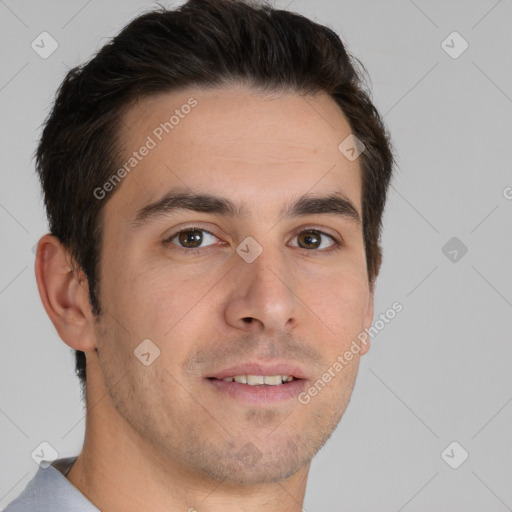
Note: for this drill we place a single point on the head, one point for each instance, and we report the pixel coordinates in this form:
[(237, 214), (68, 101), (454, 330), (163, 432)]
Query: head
[(261, 100)]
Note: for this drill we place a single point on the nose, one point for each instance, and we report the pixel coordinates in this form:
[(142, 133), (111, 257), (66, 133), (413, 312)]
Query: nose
[(262, 297)]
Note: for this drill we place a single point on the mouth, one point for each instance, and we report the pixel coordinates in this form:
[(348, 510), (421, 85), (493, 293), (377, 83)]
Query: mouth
[(258, 380), (259, 385)]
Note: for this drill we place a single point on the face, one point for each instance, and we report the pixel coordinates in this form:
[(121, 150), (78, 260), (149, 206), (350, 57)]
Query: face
[(264, 275)]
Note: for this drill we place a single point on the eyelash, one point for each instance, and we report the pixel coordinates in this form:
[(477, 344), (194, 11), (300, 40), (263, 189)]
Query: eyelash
[(192, 252)]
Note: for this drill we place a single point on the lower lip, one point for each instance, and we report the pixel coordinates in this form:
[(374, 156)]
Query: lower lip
[(260, 395)]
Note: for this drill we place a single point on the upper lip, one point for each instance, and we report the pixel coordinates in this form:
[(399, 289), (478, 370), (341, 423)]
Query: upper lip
[(255, 368)]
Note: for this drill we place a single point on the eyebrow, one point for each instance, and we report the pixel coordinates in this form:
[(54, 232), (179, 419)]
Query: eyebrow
[(335, 203)]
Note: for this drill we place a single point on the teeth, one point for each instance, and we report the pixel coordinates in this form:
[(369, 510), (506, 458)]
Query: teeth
[(273, 380), (258, 380), (254, 380)]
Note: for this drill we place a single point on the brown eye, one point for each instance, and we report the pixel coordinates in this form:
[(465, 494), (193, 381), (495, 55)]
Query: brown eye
[(315, 239), (318, 240), (191, 238), (309, 240)]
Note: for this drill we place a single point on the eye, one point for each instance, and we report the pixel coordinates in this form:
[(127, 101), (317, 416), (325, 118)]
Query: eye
[(315, 239), (191, 238)]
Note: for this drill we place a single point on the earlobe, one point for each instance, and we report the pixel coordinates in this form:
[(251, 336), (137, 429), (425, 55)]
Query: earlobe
[(65, 298)]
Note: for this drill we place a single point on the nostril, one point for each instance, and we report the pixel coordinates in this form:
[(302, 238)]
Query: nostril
[(247, 319)]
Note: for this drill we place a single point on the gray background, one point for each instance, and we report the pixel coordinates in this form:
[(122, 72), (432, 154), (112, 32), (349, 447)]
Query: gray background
[(440, 371)]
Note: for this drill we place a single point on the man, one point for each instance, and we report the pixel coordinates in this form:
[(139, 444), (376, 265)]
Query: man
[(214, 180)]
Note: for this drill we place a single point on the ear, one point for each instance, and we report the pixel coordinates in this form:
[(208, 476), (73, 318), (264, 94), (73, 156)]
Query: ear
[(64, 294), (370, 310)]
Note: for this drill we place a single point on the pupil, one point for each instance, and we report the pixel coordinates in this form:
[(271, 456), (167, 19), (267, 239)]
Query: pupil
[(191, 238)]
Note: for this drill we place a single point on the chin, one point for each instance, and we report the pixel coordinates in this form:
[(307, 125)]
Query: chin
[(250, 466)]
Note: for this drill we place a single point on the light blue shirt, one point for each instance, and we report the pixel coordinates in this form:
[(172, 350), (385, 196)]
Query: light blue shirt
[(49, 490)]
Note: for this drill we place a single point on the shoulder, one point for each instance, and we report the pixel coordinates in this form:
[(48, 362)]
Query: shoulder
[(50, 490)]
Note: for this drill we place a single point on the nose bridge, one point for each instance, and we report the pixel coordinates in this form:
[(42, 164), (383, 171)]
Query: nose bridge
[(265, 290), (269, 269)]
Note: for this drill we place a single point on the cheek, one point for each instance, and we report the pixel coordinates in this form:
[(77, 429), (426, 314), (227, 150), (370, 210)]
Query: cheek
[(340, 303), (157, 301)]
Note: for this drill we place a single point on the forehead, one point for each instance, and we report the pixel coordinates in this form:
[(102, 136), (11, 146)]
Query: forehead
[(258, 147)]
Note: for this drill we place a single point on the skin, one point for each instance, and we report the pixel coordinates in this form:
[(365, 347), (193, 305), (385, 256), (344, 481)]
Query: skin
[(158, 437)]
